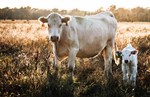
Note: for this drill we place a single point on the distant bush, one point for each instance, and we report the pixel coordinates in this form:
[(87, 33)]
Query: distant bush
[(122, 14)]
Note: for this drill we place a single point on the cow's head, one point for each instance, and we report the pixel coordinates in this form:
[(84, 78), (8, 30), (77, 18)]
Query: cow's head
[(54, 22), (125, 55)]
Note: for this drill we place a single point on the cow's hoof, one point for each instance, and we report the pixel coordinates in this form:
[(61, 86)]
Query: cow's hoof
[(71, 80)]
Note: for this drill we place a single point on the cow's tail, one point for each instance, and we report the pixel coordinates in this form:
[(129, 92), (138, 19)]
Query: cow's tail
[(110, 14), (116, 60)]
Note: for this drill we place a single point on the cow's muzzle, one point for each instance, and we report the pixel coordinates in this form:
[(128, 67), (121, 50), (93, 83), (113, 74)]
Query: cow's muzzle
[(54, 38)]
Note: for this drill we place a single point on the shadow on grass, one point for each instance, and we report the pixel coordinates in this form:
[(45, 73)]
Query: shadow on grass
[(6, 49), (57, 87)]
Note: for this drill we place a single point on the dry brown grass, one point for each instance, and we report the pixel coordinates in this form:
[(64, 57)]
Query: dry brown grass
[(128, 30), (26, 64)]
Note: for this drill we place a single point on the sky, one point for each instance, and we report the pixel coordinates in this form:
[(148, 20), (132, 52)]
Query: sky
[(86, 5)]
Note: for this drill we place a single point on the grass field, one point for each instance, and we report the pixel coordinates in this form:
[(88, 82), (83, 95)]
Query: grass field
[(26, 64)]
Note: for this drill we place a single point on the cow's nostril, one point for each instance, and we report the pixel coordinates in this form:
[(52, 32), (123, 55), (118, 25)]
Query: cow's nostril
[(54, 38), (126, 61)]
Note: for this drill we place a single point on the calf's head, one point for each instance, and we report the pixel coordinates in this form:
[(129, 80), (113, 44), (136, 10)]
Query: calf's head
[(54, 22), (126, 55)]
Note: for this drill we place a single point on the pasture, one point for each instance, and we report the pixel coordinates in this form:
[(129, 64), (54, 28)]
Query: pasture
[(26, 64)]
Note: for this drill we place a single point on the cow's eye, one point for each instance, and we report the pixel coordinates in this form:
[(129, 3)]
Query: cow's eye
[(60, 25), (49, 25)]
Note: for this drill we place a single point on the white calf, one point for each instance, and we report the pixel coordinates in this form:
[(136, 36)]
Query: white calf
[(129, 64)]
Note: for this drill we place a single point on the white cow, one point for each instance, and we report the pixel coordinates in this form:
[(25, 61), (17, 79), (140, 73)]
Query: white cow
[(83, 37), (129, 64)]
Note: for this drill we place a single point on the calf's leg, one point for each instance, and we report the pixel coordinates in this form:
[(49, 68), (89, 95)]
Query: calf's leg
[(133, 76), (124, 73)]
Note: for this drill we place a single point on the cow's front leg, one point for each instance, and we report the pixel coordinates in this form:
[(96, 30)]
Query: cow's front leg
[(71, 61), (55, 62)]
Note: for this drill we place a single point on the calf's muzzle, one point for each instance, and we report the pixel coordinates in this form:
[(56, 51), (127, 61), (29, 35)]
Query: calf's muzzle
[(126, 61)]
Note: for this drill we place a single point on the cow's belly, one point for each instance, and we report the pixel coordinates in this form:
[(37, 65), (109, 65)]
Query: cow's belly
[(84, 54), (91, 46), (90, 51)]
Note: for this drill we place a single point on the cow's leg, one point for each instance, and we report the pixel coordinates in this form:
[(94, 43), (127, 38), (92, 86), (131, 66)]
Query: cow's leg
[(71, 61), (55, 62), (107, 54)]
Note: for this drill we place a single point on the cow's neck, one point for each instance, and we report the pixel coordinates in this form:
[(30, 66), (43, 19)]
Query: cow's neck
[(62, 47)]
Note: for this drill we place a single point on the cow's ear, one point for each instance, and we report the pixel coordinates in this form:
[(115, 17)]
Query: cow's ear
[(134, 52), (65, 20), (43, 19), (118, 54)]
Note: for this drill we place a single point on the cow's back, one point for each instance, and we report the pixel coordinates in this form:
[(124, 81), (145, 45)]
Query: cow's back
[(94, 32)]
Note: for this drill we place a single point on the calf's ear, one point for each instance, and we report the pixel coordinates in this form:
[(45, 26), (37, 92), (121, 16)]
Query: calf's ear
[(43, 19), (134, 52), (118, 54), (65, 20)]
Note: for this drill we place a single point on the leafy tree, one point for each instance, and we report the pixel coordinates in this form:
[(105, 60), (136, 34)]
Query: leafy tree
[(122, 14)]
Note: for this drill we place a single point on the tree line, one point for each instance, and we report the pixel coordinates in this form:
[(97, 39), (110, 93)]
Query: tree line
[(137, 14)]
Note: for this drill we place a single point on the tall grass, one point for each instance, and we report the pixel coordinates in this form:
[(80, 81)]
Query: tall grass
[(26, 64)]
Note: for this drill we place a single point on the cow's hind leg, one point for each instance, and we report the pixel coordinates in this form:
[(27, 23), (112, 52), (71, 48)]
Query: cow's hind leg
[(107, 54)]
